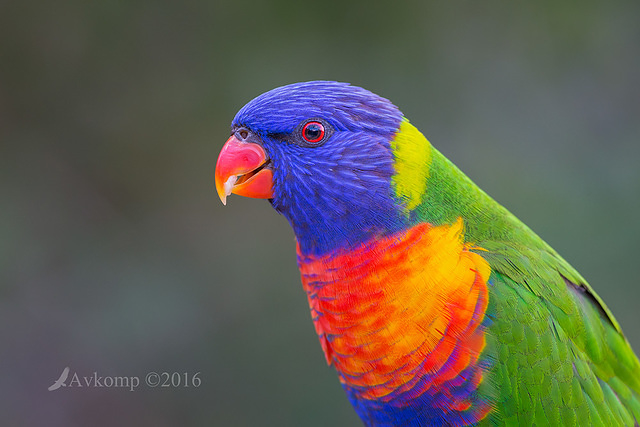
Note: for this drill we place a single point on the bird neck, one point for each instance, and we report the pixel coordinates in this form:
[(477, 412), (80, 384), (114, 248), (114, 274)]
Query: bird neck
[(344, 228), (450, 194)]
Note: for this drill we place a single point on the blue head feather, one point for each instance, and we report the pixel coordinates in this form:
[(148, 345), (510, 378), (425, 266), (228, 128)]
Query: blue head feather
[(338, 194)]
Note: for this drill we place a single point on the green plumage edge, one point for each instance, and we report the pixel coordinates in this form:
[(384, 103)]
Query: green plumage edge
[(558, 356)]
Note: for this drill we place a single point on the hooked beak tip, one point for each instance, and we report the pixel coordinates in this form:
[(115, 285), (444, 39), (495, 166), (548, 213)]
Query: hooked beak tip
[(227, 188)]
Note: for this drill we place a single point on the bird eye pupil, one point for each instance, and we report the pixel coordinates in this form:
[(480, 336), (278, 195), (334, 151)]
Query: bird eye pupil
[(313, 132)]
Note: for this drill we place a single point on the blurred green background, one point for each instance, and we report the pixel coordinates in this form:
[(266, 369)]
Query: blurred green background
[(117, 257)]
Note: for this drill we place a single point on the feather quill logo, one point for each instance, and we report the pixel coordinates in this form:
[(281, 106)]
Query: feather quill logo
[(60, 382)]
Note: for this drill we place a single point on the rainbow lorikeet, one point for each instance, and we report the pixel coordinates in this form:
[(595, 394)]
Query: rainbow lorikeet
[(435, 305)]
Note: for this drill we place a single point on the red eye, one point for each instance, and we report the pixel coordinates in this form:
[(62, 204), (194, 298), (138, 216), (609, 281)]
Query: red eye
[(313, 132)]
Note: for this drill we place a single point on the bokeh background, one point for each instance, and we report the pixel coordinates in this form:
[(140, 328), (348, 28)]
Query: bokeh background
[(117, 257)]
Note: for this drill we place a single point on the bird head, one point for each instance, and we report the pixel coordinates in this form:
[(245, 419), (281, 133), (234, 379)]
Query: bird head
[(326, 156)]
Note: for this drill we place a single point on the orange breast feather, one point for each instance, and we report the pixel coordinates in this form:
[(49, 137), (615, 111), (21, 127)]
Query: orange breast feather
[(402, 314)]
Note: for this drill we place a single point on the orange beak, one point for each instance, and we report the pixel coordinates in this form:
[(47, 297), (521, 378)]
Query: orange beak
[(243, 169)]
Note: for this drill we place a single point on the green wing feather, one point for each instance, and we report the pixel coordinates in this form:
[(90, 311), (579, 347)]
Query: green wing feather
[(559, 356)]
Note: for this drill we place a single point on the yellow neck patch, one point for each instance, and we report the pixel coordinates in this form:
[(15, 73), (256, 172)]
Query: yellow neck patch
[(412, 152)]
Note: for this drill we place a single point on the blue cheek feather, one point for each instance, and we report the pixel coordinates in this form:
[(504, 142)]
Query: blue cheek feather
[(333, 205)]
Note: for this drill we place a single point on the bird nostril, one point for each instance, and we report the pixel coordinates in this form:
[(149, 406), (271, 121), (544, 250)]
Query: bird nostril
[(244, 134)]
